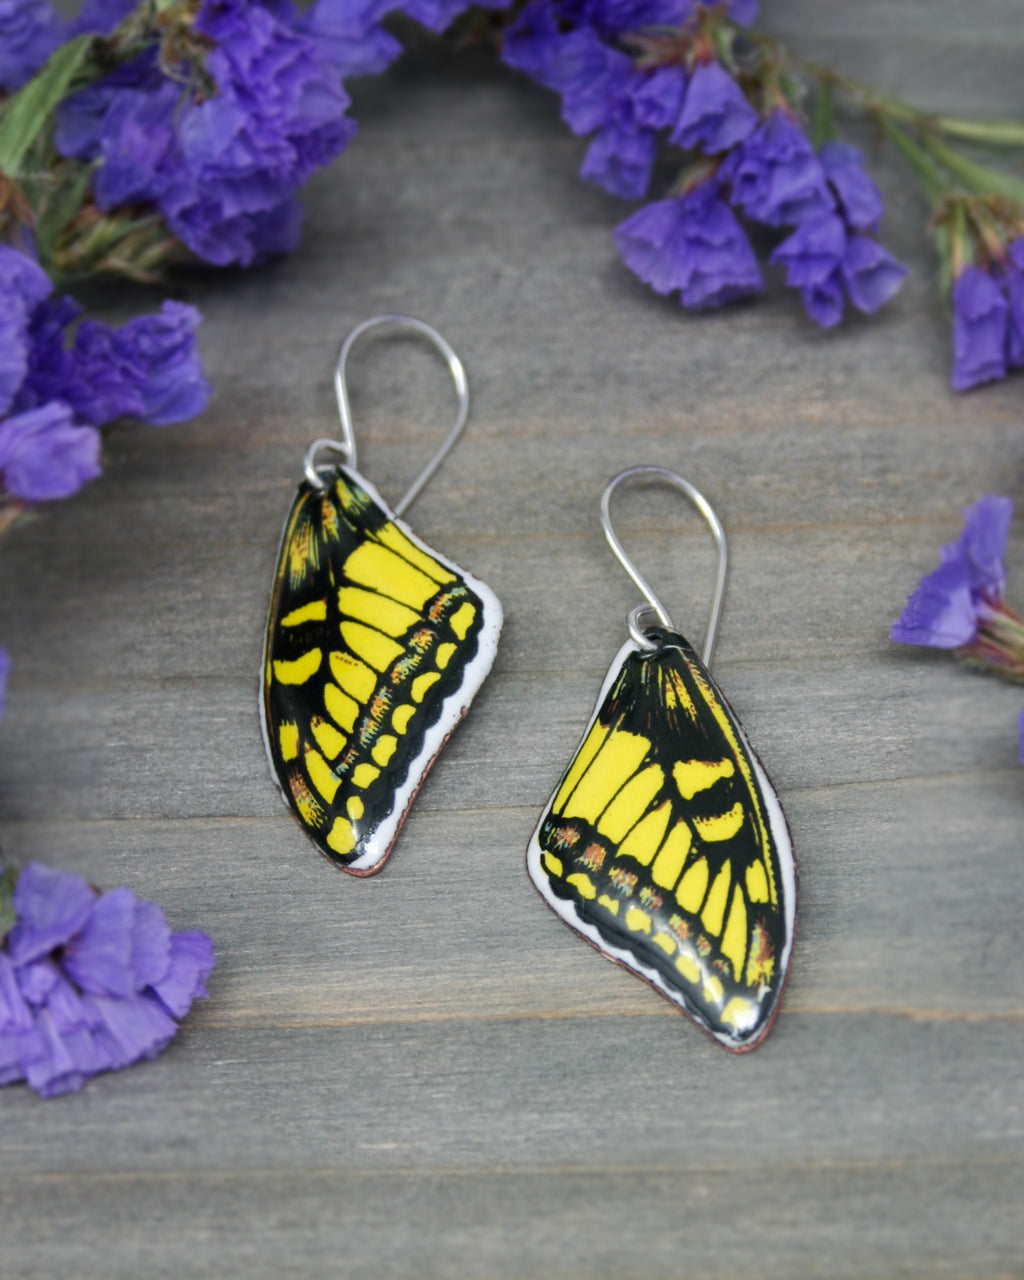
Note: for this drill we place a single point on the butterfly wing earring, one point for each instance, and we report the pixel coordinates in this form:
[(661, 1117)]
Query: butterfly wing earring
[(664, 844), (376, 644)]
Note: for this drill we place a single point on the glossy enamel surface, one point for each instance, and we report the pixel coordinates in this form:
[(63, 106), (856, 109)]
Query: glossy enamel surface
[(375, 647), (665, 845)]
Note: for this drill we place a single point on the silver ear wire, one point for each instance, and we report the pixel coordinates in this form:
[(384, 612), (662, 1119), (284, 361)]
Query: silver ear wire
[(346, 446), (653, 603)]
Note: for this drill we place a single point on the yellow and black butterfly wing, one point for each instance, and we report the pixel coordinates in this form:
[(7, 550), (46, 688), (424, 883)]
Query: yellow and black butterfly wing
[(375, 647), (666, 847)]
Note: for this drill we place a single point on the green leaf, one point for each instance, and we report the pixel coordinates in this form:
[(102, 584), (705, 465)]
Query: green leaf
[(8, 879), (27, 113)]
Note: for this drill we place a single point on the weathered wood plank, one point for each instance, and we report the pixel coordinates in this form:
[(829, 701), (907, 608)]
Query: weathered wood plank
[(912, 1218), (915, 916), (615, 1093), (192, 748), (815, 1149)]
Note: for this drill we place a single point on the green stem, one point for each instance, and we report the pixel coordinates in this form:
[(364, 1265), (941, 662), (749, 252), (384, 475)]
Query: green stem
[(959, 243), (823, 125), (9, 513), (979, 178), (928, 172), (998, 133), (8, 916)]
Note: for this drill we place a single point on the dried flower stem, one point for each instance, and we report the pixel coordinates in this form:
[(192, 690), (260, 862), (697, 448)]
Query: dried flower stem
[(9, 513), (999, 645)]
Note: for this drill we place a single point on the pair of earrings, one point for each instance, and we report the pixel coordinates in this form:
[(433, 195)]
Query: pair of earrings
[(664, 844)]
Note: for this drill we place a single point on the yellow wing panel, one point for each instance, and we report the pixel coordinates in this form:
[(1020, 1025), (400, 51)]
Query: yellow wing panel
[(659, 846)]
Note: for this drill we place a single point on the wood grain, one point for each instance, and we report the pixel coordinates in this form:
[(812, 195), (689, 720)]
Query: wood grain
[(426, 1075)]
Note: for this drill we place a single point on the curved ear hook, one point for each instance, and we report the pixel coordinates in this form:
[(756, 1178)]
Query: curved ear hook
[(708, 512), (346, 446)]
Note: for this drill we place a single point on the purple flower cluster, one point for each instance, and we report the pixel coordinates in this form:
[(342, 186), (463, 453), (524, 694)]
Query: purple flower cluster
[(90, 982), (988, 320), (222, 168), (830, 256), (763, 167), (946, 609), (694, 245), (601, 90), (219, 141), (961, 605), (54, 396)]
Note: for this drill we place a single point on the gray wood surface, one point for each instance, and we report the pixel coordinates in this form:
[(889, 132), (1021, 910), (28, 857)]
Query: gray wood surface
[(426, 1074)]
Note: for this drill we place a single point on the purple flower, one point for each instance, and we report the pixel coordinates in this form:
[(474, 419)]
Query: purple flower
[(825, 302), (1015, 298), (30, 30), (148, 369), (592, 78), (349, 36), (438, 14), (191, 959), (940, 613), (860, 201), (45, 454), (89, 982), (23, 285), (871, 274), (826, 264), (980, 328), (100, 16), (743, 12), (814, 251), (126, 122), (693, 244), (776, 177), (5, 669), (613, 17), (51, 907), (655, 99), (949, 603), (54, 395), (532, 43), (620, 160), (716, 115), (982, 545), (600, 90)]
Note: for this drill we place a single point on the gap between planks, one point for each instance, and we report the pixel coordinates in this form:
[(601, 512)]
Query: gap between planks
[(250, 1020), (415, 1173)]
